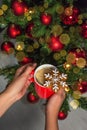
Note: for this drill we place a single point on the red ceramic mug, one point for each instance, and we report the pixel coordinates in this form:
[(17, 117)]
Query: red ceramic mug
[(41, 90)]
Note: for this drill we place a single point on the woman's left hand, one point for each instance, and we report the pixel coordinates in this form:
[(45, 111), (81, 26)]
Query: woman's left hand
[(21, 81)]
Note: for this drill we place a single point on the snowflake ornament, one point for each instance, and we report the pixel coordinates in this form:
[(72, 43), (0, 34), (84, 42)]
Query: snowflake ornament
[(55, 80)]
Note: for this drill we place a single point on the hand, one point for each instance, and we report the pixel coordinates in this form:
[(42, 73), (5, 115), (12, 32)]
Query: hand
[(52, 109), (55, 102), (17, 88), (20, 82)]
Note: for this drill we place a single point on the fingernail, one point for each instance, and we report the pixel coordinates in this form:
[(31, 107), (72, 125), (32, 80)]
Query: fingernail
[(35, 64)]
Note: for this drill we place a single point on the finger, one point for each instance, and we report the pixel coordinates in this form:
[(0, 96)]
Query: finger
[(22, 69), (61, 90), (61, 93), (27, 84), (24, 90), (29, 69), (19, 71)]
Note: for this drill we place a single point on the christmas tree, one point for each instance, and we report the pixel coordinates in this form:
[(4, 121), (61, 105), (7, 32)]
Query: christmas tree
[(48, 32)]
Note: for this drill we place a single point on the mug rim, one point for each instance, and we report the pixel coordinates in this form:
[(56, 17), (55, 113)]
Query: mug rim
[(38, 68)]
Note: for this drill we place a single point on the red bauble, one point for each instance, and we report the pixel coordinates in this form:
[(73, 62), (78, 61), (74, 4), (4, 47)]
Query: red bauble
[(55, 44), (13, 30), (6, 46), (75, 11), (72, 19), (84, 26), (46, 19), (84, 30), (26, 60), (62, 115), (82, 86), (19, 7), (78, 53), (29, 29), (32, 98)]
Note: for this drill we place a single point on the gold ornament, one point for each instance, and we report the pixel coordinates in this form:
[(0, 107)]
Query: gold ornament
[(81, 62), (68, 11), (31, 11), (29, 18), (19, 0), (26, 14), (80, 17), (1, 12), (4, 7), (56, 56), (30, 48), (47, 39), (57, 29), (63, 53), (78, 50), (76, 94), (80, 21), (72, 29), (36, 45), (41, 40), (20, 56), (67, 66), (19, 46), (41, 8), (46, 5), (80, 80), (67, 89), (64, 38), (59, 9), (76, 70), (70, 58), (74, 104)]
